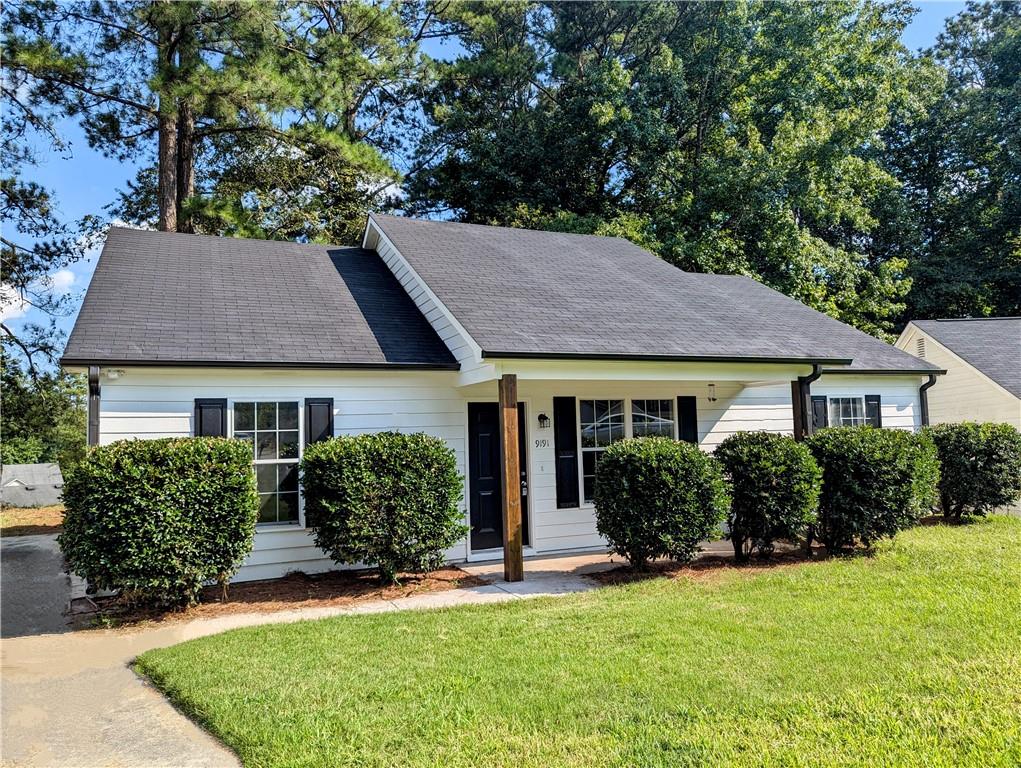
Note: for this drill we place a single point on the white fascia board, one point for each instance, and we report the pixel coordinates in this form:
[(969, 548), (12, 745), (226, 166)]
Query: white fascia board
[(637, 370), (374, 234)]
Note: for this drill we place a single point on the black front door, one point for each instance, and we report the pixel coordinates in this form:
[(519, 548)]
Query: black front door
[(485, 505)]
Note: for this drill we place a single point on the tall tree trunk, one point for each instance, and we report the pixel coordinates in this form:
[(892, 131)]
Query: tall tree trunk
[(185, 165), (188, 60), (167, 186), (167, 170)]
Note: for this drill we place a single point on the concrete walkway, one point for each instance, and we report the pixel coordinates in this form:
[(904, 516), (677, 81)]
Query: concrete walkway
[(72, 699)]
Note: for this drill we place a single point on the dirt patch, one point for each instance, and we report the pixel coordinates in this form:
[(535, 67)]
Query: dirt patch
[(31, 521), (707, 567), (296, 590)]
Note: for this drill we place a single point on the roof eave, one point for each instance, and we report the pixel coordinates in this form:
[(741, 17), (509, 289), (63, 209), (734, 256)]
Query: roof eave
[(108, 362), (492, 354), (888, 371)]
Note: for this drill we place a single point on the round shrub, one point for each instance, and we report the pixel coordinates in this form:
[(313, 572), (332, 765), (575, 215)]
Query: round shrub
[(657, 497), (775, 483), (875, 483), (387, 499), (980, 467), (159, 518)]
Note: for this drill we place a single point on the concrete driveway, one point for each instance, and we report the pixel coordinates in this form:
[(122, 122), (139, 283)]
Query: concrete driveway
[(35, 590), (71, 699)]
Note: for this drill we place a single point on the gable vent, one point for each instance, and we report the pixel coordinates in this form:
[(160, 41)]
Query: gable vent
[(920, 347)]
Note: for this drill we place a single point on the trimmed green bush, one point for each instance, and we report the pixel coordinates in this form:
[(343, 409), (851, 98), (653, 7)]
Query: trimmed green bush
[(876, 482), (389, 500), (775, 483), (980, 467), (657, 497), (159, 518)]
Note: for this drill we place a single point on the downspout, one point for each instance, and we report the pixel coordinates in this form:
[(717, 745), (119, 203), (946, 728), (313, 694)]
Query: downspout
[(805, 390), (93, 423), (923, 398)]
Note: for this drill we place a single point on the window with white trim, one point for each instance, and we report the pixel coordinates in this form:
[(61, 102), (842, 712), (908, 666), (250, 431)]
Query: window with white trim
[(272, 430), (847, 411), (601, 423), (652, 418)]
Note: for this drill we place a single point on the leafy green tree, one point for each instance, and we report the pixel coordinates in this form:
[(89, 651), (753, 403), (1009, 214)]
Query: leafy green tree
[(35, 242), (43, 416), (731, 137), (148, 78), (960, 166)]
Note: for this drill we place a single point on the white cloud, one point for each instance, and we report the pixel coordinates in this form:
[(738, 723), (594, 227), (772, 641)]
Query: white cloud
[(61, 280), (12, 306)]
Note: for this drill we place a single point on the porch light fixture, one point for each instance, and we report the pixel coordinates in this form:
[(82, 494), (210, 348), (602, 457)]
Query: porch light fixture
[(543, 421), (712, 393)]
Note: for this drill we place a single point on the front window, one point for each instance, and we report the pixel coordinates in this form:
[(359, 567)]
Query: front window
[(847, 411), (602, 423), (271, 430), (652, 418)]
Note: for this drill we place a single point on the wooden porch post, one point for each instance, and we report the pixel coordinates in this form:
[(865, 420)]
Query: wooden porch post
[(510, 479)]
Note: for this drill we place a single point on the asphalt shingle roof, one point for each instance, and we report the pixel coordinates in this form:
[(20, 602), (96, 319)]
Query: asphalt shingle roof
[(176, 298), (523, 292), (990, 344)]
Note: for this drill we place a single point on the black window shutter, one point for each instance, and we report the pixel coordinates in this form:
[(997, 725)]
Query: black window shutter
[(318, 419), (874, 410), (211, 417), (687, 419), (818, 411), (565, 445)]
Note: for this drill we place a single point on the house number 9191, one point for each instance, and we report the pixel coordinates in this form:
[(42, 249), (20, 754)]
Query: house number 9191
[(541, 443)]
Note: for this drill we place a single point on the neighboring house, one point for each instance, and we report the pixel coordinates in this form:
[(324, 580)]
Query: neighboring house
[(982, 358), (30, 485), (426, 327)]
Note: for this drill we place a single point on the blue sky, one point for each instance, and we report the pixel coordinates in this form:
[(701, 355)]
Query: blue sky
[(86, 181)]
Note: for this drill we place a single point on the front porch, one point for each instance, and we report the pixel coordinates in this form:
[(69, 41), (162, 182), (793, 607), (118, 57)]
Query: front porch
[(560, 415)]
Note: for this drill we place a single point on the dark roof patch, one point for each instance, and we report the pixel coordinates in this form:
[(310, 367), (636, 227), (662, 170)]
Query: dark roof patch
[(160, 297), (525, 292), (990, 344)]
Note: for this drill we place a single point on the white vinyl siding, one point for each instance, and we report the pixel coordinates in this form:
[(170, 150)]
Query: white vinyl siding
[(154, 402), (964, 393)]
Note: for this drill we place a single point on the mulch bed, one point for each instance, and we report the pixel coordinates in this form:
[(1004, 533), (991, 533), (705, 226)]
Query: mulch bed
[(296, 590), (706, 567), (31, 521)]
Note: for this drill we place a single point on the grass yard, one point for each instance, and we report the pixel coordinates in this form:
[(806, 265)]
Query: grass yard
[(911, 657), (31, 521)]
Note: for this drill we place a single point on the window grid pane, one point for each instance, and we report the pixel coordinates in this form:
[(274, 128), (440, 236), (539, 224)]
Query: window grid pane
[(271, 429), (652, 418), (847, 411), (602, 423)]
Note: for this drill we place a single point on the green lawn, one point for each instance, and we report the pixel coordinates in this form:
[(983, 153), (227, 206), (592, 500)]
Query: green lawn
[(911, 657)]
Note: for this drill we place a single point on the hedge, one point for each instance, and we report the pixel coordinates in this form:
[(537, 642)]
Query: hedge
[(388, 499), (876, 482), (981, 467), (657, 497), (157, 519), (776, 484)]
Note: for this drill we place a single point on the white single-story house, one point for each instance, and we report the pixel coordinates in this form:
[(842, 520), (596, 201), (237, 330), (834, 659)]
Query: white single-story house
[(982, 358), (452, 329)]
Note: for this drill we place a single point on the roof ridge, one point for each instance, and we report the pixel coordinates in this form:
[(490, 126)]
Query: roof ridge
[(472, 224), (964, 319), (229, 238)]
